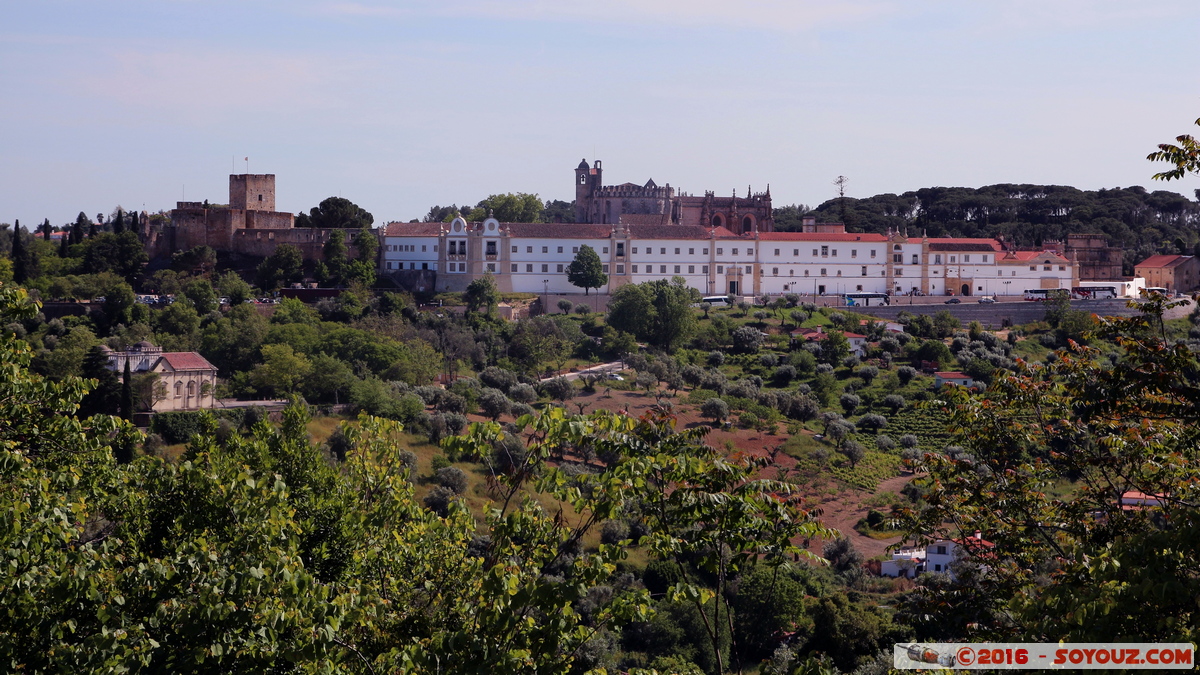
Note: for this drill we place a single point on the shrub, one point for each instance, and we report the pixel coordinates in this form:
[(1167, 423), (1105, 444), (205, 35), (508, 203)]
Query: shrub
[(841, 554), (803, 408), (437, 428), (854, 451), (872, 421), (582, 308), (747, 340), (824, 369), (455, 423), (453, 478), (850, 361), (559, 388), (894, 402), (409, 459), (440, 461), (784, 375), (910, 454), (868, 373), (493, 403), (715, 409), (850, 403), (692, 374), (716, 358), (613, 532), (909, 441), (768, 360), (176, 427), (523, 393), (498, 378), (906, 374), (438, 500), (885, 443), (748, 420)]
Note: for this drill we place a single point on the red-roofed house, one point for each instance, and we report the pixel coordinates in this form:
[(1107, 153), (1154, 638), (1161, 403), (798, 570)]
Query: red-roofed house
[(858, 341), (1172, 272), (952, 377), (186, 380)]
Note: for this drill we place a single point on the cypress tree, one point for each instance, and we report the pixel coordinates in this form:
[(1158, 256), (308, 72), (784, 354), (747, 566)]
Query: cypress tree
[(135, 223), (20, 259), (127, 393), (92, 231), (46, 229), (77, 228), (62, 245), (118, 224)]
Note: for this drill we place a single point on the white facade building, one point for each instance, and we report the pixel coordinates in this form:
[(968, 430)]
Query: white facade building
[(533, 257)]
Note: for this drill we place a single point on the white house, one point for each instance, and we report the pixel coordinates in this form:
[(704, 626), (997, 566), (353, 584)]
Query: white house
[(936, 557), (941, 378), (533, 257)]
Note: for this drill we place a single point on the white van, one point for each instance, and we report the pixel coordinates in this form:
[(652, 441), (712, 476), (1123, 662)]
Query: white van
[(715, 301)]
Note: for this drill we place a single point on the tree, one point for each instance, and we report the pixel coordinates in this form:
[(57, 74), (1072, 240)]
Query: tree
[(235, 288), (1185, 157), (1123, 429), (105, 396), (202, 295), (565, 306), (631, 310), (493, 403), (841, 554), (336, 260), (559, 388), (336, 213), (20, 255), (282, 267), (122, 254), (281, 371), (715, 409), (586, 271), (482, 296), (747, 340), (854, 451), (82, 222), (511, 207)]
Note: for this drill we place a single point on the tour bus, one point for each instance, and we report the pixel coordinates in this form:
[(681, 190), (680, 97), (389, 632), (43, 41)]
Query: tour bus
[(1157, 289), (1094, 292), (1044, 294), (861, 299)]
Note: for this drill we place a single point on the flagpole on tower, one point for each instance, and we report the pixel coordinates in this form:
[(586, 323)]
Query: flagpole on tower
[(247, 165)]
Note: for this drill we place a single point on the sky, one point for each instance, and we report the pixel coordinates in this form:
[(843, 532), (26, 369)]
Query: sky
[(399, 106)]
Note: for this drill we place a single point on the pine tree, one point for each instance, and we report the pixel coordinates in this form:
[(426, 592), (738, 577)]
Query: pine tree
[(20, 259), (127, 393)]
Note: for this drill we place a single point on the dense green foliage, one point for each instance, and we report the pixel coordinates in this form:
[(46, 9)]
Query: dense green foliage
[(1142, 222)]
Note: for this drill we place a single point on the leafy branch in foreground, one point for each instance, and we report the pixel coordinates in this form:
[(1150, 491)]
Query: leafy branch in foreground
[(1084, 474)]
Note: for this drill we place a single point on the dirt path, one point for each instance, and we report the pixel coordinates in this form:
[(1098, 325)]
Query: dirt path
[(843, 511)]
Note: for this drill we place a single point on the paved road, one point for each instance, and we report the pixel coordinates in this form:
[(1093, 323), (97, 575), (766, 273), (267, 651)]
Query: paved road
[(594, 370)]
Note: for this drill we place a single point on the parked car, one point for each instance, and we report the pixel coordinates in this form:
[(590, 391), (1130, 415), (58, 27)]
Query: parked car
[(987, 300), (615, 377), (953, 301)]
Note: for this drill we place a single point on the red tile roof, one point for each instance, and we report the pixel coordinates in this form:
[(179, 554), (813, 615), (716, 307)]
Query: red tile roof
[(1025, 256), (952, 375), (187, 361), (669, 232), (413, 229), (964, 244), (821, 236), (1164, 261), (558, 230), (645, 218)]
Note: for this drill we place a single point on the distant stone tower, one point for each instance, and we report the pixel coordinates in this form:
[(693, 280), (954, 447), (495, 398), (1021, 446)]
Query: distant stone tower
[(252, 191), (587, 184)]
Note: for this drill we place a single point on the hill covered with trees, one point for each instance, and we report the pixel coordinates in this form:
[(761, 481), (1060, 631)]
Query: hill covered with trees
[(1140, 221)]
